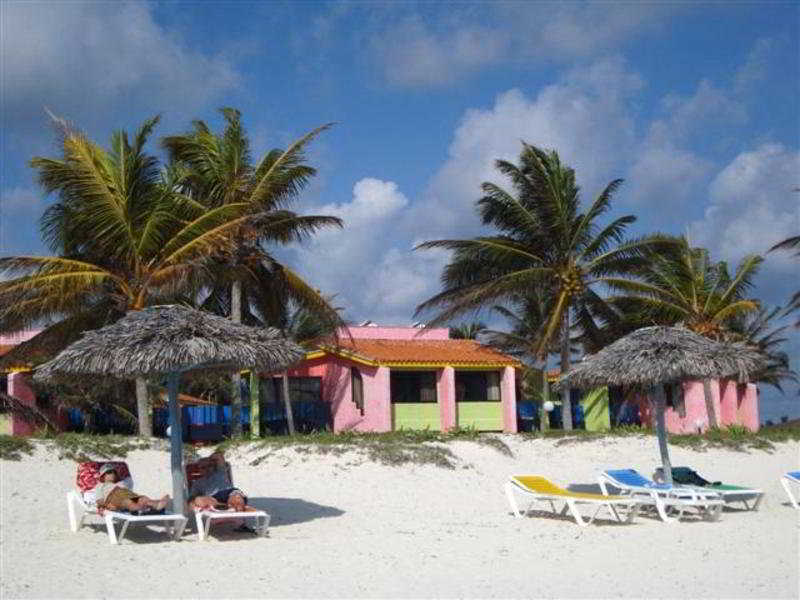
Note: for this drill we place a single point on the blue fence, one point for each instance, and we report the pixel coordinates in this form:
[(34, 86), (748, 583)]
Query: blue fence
[(211, 423)]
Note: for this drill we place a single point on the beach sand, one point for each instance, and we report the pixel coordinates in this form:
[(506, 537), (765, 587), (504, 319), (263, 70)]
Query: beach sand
[(344, 527)]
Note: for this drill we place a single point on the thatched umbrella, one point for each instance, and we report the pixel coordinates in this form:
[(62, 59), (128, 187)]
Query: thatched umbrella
[(650, 357), (169, 341)]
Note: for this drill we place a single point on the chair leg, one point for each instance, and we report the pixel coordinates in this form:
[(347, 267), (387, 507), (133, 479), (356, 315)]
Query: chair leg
[(792, 499), (112, 535), (178, 528), (662, 510), (576, 513), (198, 519), (73, 518), (759, 498), (124, 529), (509, 489)]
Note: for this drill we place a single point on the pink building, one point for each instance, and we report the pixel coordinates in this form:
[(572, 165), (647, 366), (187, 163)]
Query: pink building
[(15, 384), (734, 404), (389, 378)]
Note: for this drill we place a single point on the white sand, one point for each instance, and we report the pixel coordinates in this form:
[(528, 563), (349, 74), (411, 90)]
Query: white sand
[(346, 528)]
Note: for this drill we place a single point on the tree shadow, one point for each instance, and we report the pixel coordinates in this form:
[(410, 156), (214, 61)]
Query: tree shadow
[(289, 511)]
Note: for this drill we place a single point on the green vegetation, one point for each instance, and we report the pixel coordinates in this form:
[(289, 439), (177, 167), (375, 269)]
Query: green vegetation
[(12, 448), (394, 448), (542, 240), (83, 447)]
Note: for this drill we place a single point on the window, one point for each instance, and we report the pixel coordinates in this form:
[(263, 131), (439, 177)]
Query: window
[(308, 389), (413, 386), (477, 386), (357, 388)]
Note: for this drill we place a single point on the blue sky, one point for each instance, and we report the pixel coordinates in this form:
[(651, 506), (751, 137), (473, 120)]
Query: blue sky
[(695, 105)]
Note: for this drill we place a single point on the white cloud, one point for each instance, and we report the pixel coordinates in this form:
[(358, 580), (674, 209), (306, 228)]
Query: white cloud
[(412, 54), (343, 261), (440, 49), (585, 117), (85, 59), (755, 67), (753, 205)]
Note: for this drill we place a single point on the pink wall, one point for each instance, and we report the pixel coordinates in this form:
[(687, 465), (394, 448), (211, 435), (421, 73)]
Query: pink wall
[(508, 395), (337, 391), (737, 405), (396, 333), (446, 393), (12, 339), (18, 388)]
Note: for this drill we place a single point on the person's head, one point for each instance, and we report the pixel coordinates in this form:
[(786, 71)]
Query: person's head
[(107, 472), (236, 501)]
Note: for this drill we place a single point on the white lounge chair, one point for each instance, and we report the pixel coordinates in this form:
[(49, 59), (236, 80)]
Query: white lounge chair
[(792, 478), (204, 518), (536, 488), (665, 498), (685, 477), (80, 503)]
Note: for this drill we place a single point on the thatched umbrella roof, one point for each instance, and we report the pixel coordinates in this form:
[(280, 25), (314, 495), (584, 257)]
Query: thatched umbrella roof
[(172, 339), (654, 355)]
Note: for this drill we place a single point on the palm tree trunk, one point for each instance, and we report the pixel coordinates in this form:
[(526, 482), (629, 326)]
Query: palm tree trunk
[(712, 414), (566, 402), (143, 408), (544, 416), (287, 403), (661, 431), (236, 379)]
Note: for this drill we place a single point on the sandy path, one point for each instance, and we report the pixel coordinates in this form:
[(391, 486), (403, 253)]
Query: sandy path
[(346, 528)]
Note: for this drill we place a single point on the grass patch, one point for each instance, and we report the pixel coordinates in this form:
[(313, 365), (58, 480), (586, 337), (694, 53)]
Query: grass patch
[(733, 437), (393, 448), (82, 447), (12, 448)]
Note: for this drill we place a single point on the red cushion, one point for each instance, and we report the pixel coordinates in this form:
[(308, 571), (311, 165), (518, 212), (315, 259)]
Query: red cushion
[(87, 473)]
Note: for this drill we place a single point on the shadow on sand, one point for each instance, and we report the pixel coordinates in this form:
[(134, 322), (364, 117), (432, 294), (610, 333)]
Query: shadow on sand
[(288, 511)]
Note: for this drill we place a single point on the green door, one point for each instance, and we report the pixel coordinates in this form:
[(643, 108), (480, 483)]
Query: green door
[(483, 416), (416, 415)]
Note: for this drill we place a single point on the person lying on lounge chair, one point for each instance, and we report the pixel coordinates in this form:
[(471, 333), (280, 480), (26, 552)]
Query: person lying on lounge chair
[(215, 490), (111, 494)]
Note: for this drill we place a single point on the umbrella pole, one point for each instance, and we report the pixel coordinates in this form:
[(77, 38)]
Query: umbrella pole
[(176, 445), (661, 431)]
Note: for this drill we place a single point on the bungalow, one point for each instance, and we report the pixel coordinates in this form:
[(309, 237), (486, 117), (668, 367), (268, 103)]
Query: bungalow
[(389, 378)]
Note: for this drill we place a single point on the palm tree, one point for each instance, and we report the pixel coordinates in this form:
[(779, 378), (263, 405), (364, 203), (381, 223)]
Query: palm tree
[(219, 172), (791, 244), (121, 237), (542, 240), (683, 285), (467, 331), (756, 329)]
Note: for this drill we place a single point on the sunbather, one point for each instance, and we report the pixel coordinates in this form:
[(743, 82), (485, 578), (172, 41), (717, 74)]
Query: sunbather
[(111, 494), (215, 490)]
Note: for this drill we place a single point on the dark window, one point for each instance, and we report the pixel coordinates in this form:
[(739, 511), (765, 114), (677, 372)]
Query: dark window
[(413, 386), (357, 387), (308, 389), (477, 386)]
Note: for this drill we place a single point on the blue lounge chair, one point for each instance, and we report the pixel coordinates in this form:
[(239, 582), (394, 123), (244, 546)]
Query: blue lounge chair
[(791, 478), (664, 497)]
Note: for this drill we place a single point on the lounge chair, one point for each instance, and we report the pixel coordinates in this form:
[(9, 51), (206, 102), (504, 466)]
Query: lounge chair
[(536, 488), (665, 498), (685, 476), (81, 502), (791, 478), (204, 517)]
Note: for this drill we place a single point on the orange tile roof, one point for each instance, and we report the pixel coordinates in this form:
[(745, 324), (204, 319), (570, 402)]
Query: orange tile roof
[(453, 352), (4, 349)]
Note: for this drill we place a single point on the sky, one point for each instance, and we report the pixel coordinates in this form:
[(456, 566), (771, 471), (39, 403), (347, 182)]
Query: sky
[(696, 106)]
